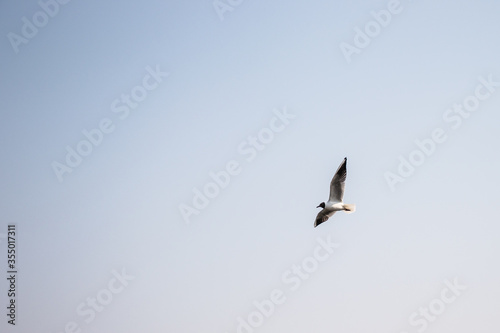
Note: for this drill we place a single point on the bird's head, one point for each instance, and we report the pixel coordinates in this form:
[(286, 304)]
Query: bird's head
[(322, 205)]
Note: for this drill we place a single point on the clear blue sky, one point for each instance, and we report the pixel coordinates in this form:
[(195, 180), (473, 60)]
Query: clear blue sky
[(115, 115)]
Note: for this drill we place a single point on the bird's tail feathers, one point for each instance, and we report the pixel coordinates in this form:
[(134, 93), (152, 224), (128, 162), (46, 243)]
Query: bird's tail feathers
[(349, 208)]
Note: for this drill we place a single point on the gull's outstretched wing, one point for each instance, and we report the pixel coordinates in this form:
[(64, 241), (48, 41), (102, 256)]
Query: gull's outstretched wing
[(338, 183), (322, 216)]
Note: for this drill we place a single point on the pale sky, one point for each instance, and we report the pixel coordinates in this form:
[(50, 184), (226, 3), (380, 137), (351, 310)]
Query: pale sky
[(162, 162)]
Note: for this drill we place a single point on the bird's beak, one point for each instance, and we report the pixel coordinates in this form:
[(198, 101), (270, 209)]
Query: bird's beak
[(318, 206)]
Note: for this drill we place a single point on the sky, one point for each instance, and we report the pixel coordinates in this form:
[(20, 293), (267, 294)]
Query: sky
[(162, 161)]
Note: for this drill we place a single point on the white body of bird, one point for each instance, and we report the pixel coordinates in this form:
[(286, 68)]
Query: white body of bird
[(335, 202)]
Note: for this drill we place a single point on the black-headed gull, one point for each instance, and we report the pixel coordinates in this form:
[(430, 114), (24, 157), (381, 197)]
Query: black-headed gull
[(335, 203)]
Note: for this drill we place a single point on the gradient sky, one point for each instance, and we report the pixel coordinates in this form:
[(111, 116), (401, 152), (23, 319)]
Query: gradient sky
[(119, 209)]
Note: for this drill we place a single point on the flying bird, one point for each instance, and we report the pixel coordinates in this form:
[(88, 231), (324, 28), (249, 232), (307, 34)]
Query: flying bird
[(335, 202)]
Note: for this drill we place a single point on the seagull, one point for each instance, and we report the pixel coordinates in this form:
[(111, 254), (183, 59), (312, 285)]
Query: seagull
[(335, 203)]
